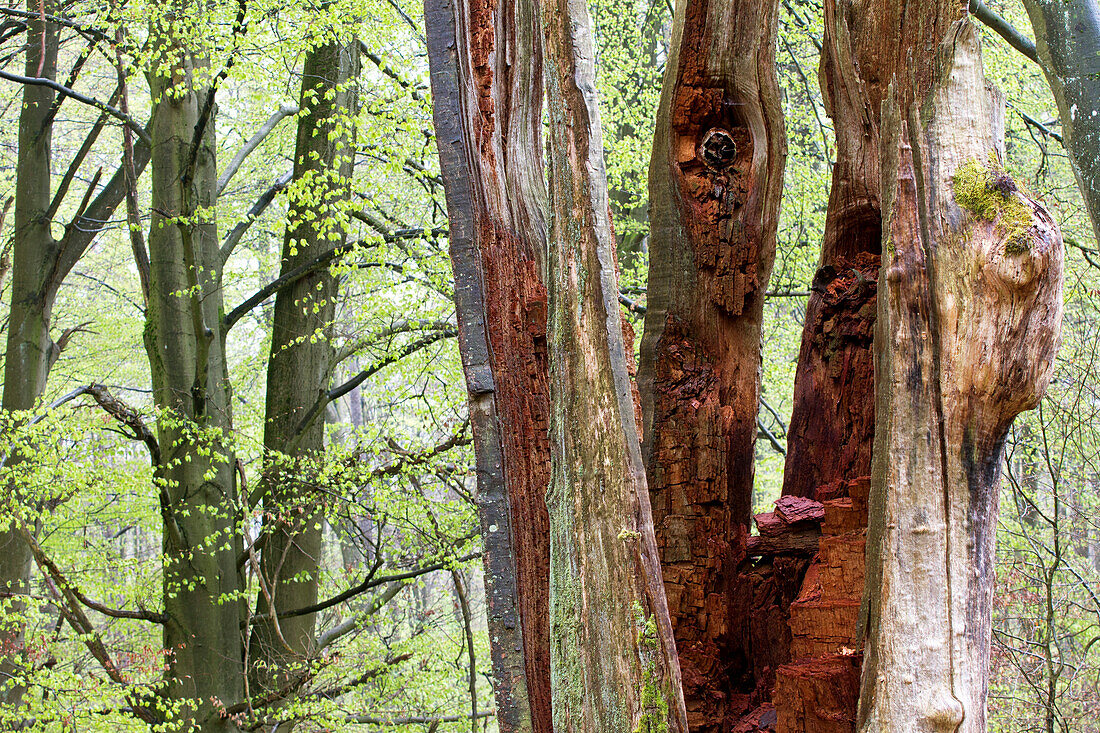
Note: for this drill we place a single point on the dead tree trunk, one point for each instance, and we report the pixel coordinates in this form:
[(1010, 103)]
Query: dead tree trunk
[(716, 179), (832, 426), (486, 63), (613, 655), (968, 327)]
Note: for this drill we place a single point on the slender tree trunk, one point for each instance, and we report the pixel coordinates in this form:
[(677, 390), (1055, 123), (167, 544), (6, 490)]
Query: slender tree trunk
[(487, 88), (299, 365), (716, 180), (1067, 38), (185, 343), (968, 327), (29, 347), (613, 657), (40, 263)]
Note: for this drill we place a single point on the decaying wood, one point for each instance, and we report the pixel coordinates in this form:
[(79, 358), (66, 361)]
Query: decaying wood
[(715, 185), (614, 666), (791, 541), (968, 327), (832, 424), (866, 43), (487, 89)]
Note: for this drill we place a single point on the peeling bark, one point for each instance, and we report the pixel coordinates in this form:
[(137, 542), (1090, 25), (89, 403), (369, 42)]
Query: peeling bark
[(486, 61), (614, 666), (968, 327), (715, 185)]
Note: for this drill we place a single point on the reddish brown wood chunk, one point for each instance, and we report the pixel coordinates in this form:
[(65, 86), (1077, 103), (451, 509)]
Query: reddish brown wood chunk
[(795, 509), (818, 695)]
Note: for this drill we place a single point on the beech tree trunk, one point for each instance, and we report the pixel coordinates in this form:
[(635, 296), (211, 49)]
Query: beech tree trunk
[(968, 328), (486, 63), (27, 359), (613, 663), (40, 263), (184, 338), (1067, 38), (299, 365), (716, 180)]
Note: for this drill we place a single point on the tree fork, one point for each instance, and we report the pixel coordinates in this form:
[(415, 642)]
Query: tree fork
[(715, 186)]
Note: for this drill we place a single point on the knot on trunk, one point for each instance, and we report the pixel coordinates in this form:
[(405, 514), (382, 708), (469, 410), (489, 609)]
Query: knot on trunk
[(717, 149)]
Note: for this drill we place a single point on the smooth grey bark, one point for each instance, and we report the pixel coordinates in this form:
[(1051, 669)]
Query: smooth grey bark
[(299, 364), (40, 263), (1067, 38), (185, 342)]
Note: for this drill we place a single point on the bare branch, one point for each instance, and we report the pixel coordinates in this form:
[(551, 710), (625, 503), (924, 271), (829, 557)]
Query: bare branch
[(285, 280), (233, 238), (367, 585), (337, 392), (73, 594), (66, 91), (286, 110), (415, 720), (1004, 29)]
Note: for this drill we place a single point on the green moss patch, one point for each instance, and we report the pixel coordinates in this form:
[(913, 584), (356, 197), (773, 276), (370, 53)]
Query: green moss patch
[(988, 192)]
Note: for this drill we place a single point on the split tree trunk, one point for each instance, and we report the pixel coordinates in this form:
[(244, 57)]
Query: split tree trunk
[(866, 43), (300, 361), (1067, 38), (486, 63), (832, 425), (613, 658), (184, 339), (968, 328), (716, 181)]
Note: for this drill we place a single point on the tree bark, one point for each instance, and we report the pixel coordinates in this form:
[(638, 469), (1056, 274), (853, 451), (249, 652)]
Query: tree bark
[(27, 360), (968, 327), (486, 62), (716, 180), (300, 362), (613, 664), (184, 339), (866, 42), (1067, 38)]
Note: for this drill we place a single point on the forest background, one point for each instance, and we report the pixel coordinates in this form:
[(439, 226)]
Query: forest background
[(392, 492)]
